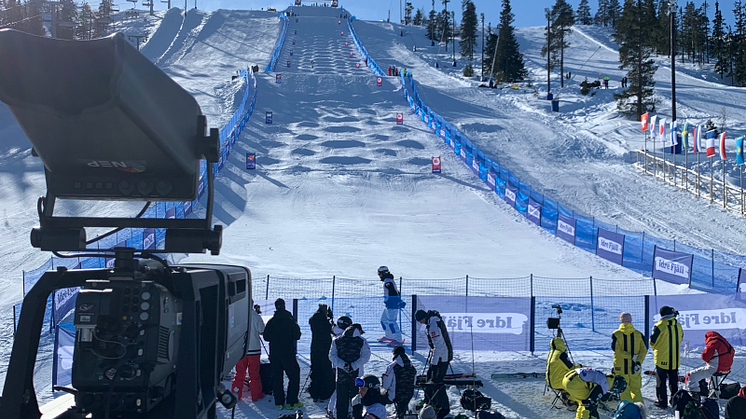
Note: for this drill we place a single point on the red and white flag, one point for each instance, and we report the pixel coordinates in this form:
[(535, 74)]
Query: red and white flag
[(653, 121), (662, 130), (722, 146), (644, 121), (710, 143)]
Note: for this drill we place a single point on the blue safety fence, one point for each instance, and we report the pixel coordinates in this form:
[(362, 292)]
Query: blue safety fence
[(61, 302), (710, 270), (363, 52), (280, 43)]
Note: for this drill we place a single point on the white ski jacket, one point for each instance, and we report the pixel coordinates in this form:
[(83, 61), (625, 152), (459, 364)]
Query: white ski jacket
[(338, 362), (440, 348), (389, 378), (257, 328)]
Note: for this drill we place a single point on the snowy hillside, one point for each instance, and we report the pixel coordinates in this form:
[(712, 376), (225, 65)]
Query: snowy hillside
[(340, 189)]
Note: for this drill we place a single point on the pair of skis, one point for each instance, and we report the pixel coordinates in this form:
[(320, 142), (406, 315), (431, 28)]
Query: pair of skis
[(457, 379), (391, 342)]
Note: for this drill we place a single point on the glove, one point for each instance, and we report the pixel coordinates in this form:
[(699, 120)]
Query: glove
[(402, 304), (356, 400), (636, 368), (347, 368)]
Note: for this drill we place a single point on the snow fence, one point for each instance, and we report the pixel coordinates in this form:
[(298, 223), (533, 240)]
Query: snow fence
[(280, 42), (703, 269)]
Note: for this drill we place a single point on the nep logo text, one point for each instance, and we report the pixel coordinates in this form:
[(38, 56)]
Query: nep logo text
[(125, 166), (511, 323)]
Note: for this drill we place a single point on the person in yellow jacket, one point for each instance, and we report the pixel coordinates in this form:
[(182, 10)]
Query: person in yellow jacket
[(587, 387), (559, 364), (666, 342), (629, 348)]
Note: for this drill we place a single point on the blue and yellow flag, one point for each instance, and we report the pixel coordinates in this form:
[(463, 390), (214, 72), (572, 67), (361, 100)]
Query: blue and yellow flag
[(685, 136), (739, 150)]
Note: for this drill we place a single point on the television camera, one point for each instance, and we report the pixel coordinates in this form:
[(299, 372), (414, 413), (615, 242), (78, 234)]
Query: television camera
[(153, 340), (553, 323)]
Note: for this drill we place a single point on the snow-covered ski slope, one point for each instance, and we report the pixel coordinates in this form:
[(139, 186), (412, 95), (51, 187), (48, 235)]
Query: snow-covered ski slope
[(340, 189)]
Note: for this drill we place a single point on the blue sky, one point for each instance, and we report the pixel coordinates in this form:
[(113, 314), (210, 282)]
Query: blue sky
[(527, 12)]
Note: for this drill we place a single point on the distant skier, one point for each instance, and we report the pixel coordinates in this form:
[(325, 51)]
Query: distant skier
[(393, 303), (398, 381), (312, 63), (437, 65), (606, 82)]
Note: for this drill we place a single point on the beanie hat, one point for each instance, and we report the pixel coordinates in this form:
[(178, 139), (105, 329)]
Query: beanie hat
[(419, 315), (666, 311), (377, 410), (427, 412), (625, 317), (280, 304)]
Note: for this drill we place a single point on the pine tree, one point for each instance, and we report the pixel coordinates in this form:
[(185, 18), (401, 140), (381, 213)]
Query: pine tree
[(601, 16), (15, 13), (408, 12), (583, 14), (508, 58), (662, 35), (489, 50), (563, 19), (85, 22), (634, 56), (431, 24), (614, 11), (469, 24), (719, 47), (68, 14), (739, 41), (419, 17)]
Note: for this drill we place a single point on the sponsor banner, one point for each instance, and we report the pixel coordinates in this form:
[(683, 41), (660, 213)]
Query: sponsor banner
[(379, 80), (462, 154), (610, 246), (491, 180), (672, 266), (63, 355), (741, 280), (436, 164), (399, 118), (268, 118), (64, 302), (475, 165), (534, 212), (510, 192), (500, 324), (442, 132), (187, 209), (566, 228), (148, 234), (250, 161), (278, 78), (700, 313)]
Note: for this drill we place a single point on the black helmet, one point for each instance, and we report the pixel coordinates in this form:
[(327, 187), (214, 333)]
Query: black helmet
[(398, 351), (368, 380), (419, 315), (620, 384), (382, 270), (666, 311), (344, 322)]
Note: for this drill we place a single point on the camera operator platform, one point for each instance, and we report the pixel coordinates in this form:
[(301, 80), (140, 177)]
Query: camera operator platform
[(153, 340)]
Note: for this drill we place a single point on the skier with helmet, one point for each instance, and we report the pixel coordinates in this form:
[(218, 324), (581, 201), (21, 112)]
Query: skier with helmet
[(398, 381), (441, 352), (393, 303)]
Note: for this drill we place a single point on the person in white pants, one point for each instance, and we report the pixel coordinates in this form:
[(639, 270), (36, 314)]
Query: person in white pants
[(393, 303)]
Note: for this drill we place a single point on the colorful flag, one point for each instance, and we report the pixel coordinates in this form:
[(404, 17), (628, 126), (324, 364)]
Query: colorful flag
[(722, 146), (672, 134), (685, 136), (644, 121), (695, 140), (653, 121), (739, 150), (662, 130), (710, 136)]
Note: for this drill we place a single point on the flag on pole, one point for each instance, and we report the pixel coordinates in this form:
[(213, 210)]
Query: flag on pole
[(672, 137), (695, 140), (685, 136), (722, 146), (652, 125), (739, 150), (644, 121), (710, 136), (662, 130)]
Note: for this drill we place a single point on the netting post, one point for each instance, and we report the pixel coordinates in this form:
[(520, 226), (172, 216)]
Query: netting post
[(674, 245), (334, 289), (467, 285), (647, 317), (295, 316), (414, 323), (532, 332), (531, 282), (712, 257), (593, 314), (642, 247), (266, 293)]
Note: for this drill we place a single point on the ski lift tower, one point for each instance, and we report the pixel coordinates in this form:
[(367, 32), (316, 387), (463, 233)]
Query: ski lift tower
[(134, 2), (148, 3), (165, 1)]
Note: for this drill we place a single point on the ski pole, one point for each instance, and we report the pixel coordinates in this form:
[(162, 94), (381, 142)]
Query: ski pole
[(306, 382)]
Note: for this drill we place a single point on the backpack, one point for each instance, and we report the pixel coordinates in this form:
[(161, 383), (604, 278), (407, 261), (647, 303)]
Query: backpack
[(484, 414), (710, 409), (729, 390), (627, 410), (474, 400), (687, 407)]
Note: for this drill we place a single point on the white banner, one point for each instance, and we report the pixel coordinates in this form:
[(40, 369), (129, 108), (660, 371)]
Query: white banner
[(511, 323), (671, 267), (724, 318), (609, 245), (566, 228)]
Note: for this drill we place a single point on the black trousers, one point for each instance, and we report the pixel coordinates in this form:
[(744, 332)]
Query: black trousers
[(435, 390), (401, 407), (285, 365), (346, 390), (661, 378), (322, 376)]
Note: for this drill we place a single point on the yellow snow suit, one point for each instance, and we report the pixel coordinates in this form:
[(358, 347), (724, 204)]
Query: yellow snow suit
[(558, 363), (579, 390), (629, 347), (666, 341)]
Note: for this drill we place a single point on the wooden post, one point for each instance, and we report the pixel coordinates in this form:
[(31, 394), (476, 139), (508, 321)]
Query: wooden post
[(684, 173), (742, 189), (646, 150), (698, 181), (725, 189), (711, 180)]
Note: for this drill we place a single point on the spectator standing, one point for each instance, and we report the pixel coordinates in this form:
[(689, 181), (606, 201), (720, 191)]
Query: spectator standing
[(282, 332), (629, 349), (348, 355), (440, 358), (666, 341), (252, 360), (322, 374), (398, 381)]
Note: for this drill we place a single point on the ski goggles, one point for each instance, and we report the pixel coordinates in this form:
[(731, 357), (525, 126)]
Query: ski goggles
[(359, 382)]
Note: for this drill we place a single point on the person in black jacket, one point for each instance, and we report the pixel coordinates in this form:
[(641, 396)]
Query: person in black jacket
[(322, 376), (282, 332), (736, 407), (398, 381), (348, 354)]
